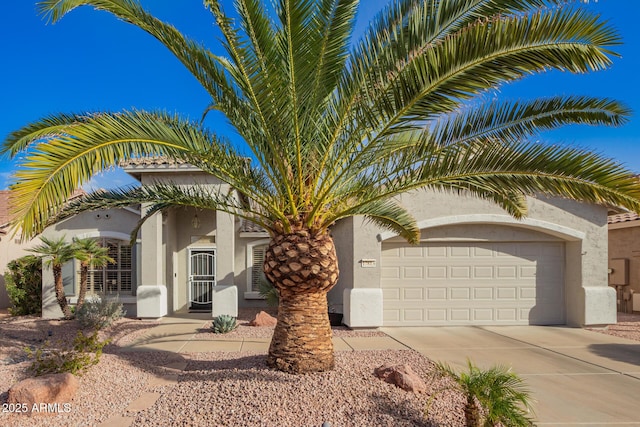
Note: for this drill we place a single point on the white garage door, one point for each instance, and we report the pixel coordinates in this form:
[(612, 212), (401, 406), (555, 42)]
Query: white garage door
[(508, 283)]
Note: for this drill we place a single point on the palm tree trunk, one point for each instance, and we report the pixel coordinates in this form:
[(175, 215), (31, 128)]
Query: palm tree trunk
[(82, 292), (472, 412), (60, 296), (303, 267)]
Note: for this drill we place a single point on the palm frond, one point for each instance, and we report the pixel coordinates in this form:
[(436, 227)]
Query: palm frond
[(386, 214), (66, 157)]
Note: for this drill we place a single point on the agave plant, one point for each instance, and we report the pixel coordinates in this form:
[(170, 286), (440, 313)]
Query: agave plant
[(337, 127), (223, 324), (496, 396)]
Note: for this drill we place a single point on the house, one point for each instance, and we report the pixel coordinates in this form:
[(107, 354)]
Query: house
[(624, 259), (475, 265)]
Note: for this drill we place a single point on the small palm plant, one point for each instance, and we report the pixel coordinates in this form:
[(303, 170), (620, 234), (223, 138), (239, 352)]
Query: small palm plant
[(496, 395), (55, 253), (269, 292)]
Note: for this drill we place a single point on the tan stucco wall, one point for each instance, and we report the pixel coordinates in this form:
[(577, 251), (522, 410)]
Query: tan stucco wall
[(624, 243), (582, 226)]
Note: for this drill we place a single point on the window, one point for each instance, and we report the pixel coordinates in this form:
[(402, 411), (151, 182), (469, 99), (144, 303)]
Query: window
[(117, 277), (255, 270)]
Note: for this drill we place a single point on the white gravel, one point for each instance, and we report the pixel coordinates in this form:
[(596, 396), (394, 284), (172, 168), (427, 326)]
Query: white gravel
[(227, 389)]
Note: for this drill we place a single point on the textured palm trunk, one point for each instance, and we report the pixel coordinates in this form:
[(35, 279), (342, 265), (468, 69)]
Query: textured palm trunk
[(60, 297), (82, 292), (303, 267), (472, 412)]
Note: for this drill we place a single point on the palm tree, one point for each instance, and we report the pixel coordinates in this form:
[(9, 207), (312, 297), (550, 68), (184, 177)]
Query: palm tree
[(91, 255), (496, 395), (337, 128), (55, 253)]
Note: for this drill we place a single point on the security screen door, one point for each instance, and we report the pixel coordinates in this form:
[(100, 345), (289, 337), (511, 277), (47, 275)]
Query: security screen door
[(202, 277)]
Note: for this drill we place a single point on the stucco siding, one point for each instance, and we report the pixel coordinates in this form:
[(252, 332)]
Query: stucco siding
[(624, 243)]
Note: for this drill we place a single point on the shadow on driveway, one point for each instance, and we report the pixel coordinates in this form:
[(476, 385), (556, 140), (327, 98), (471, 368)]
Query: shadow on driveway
[(626, 353)]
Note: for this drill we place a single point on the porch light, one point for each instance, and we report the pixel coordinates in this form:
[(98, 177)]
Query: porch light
[(195, 222)]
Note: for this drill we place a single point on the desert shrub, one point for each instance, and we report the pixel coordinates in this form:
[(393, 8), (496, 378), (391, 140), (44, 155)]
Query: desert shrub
[(23, 281), (98, 313), (77, 358), (223, 324)]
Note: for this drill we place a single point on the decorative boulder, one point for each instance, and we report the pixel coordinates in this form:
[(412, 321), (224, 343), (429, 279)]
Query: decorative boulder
[(263, 319), (401, 376), (52, 388)]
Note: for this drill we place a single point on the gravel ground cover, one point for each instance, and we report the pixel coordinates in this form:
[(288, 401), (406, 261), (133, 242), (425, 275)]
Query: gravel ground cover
[(226, 389), (628, 326), (236, 389)]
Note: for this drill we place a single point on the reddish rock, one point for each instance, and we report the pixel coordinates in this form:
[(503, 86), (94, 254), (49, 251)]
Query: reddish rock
[(52, 388), (401, 376), (263, 319)]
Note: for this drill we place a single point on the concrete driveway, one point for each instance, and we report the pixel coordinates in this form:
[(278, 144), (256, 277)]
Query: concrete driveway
[(577, 377)]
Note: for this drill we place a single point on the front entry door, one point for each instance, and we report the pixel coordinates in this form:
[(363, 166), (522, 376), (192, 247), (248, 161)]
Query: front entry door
[(202, 278)]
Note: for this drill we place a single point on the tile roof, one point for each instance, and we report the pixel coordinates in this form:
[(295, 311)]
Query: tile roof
[(623, 217), (251, 227), (153, 161)]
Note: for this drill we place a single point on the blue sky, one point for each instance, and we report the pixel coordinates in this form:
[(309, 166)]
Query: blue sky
[(90, 61)]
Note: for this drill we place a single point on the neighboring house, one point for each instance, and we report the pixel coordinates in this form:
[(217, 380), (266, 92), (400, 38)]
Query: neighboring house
[(624, 259), (10, 245), (475, 264)]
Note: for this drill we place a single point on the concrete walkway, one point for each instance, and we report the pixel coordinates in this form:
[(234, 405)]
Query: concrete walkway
[(577, 377), (178, 335)]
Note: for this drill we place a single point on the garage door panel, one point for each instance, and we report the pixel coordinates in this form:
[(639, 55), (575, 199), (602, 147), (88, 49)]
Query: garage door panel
[(460, 294), (436, 294), (459, 251), (483, 293), (439, 272), (412, 252), (413, 272), (483, 272), (463, 272), (413, 315), (506, 293), (506, 272), (474, 283), (435, 252), (391, 294), (413, 294), (527, 293), (483, 314)]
